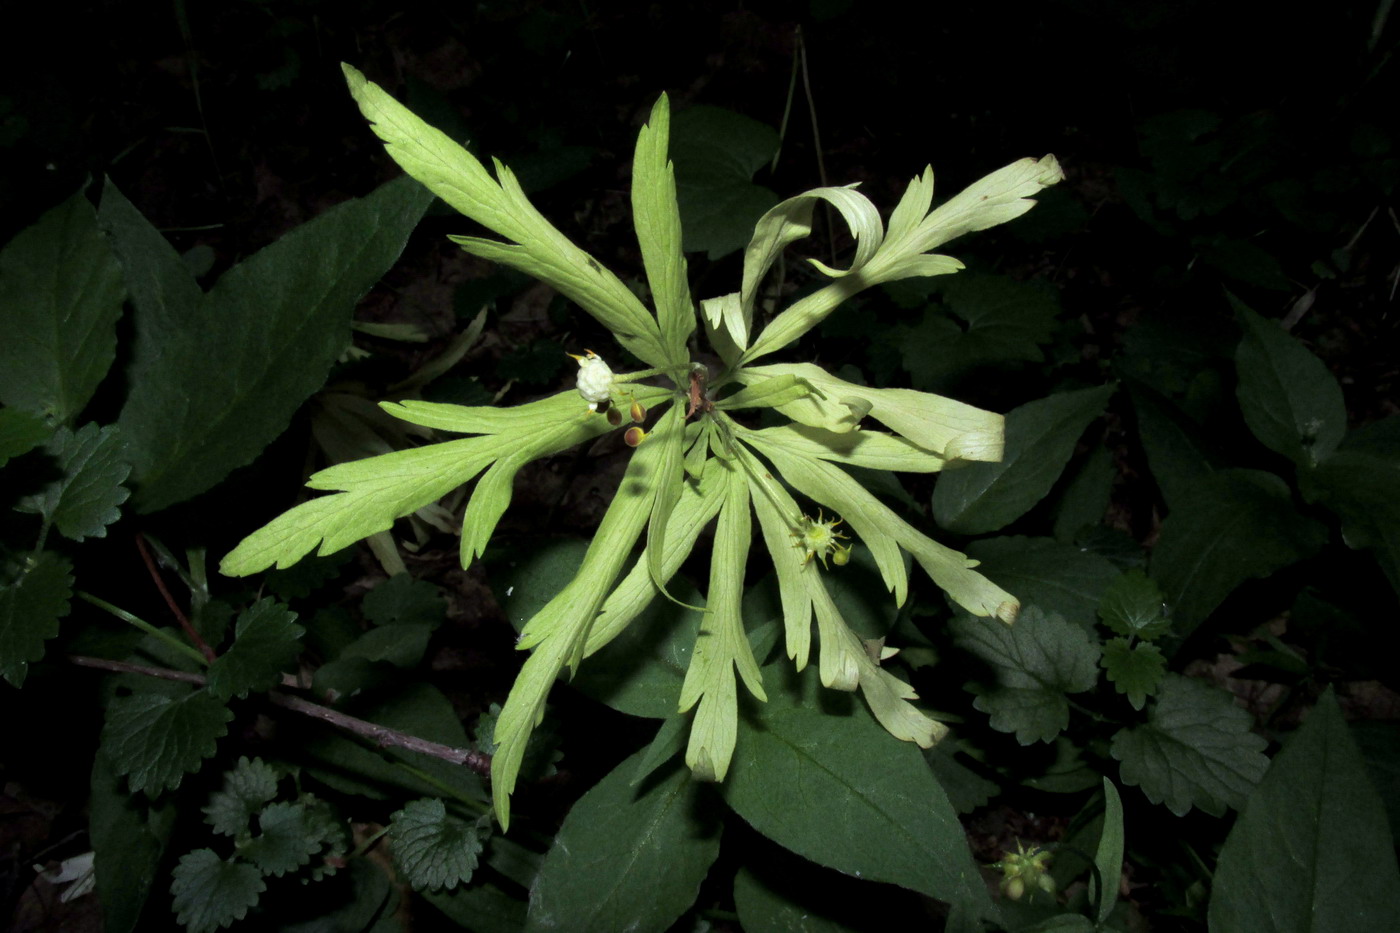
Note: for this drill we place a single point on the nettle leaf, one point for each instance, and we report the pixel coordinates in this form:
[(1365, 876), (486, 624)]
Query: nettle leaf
[(227, 371), (717, 152), (1040, 438), (85, 500), (247, 787), (626, 855), (1311, 850), (154, 740), (1134, 670), (211, 893), (285, 839), (1291, 402), (1037, 662), (60, 297), (405, 601), (1195, 750), (1132, 606), (20, 432), (1361, 483), (836, 789), (266, 642), (1179, 453), (30, 608), (433, 849), (1239, 524), (1086, 495), (1061, 578)]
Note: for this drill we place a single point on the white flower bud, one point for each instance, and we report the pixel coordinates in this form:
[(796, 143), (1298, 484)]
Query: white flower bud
[(595, 379)]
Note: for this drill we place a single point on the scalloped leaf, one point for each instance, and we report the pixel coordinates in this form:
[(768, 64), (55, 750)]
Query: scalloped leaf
[(266, 642), (85, 500), (248, 787), (211, 893), (30, 608), (155, 740), (434, 850)]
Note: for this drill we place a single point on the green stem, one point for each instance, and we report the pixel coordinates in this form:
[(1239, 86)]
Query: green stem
[(365, 846), (144, 626), (470, 802)]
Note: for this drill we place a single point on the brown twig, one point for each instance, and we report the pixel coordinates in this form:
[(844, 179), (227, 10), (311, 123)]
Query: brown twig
[(382, 736), (175, 610)]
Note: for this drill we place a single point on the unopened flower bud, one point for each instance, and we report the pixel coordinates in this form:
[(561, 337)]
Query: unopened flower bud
[(634, 436), (639, 411), (614, 417)]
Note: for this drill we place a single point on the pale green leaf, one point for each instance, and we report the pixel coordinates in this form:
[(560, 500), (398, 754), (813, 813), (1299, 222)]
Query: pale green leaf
[(626, 857), (1040, 438), (1036, 662), (1290, 401), (227, 373), (658, 222), (434, 849), (836, 790), (30, 608), (60, 296), (154, 740), (86, 498), (669, 435), (993, 199), (211, 893), (266, 642), (1311, 850), (873, 450), (1195, 749), (951, 429)]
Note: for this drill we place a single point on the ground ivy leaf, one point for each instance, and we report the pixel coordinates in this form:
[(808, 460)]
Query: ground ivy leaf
[(247, 787), (1195, 749), (231, 368), (60, 297), (405, 601), (838, 790), (30, 608), (434, 850), (211, 893), (20, 432), (285, 840), (625, 853), (1040, 438), (1135, 671), (154, 740), (1036, 661), (1236, 525), (1311, 851), (266, 642), (1290, 401), (85, 500), (1132, 606)]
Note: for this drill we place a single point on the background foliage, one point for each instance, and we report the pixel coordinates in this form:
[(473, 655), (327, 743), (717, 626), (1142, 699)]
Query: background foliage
[(1197, 506)]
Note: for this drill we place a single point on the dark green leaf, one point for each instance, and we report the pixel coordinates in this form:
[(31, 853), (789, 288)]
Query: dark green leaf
[(1086, 495), (481, 908), (1002, 321), (1178, 453), (1312, 850), (403, 600), (1361, 483), (211, 893), (248, 786), (1132, 606), (266, 643), (284, 842), (626, 856), (1108, 857), (538, 572), (60, 297), (358, 903), (30, 608), (1238, 525), (716, 153), (129, 835), (155, 740), (1040, 437), (1195, 750), (1380, 746), (1037, 661), (1135, 671), (1042, 572), (1289, 399), (837, 789), (433, 849), (20, 432), (228, 371), (762, 909), (668, 742), (85, 500), (966, 789), (400, 645)]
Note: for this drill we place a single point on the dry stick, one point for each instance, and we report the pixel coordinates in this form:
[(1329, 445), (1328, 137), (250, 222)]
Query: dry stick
[(382, 736), (199, 643)]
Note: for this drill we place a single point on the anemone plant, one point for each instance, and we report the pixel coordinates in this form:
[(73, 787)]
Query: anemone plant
[(700, 461)]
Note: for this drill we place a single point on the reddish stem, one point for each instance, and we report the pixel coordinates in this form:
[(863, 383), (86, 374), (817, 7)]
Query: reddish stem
[(175, 610)]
